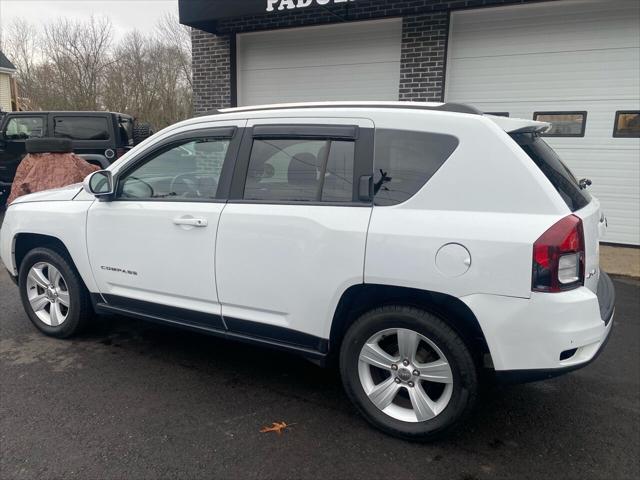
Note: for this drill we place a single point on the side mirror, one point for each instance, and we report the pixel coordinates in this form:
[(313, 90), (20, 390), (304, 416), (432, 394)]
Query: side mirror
[(99, 184)]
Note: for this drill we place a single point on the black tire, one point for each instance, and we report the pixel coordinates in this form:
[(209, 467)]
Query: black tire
[(463, 368), (79, 311), (141, 131), (48, 145)]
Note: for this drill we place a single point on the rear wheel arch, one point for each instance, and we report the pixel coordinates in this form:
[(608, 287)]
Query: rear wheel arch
[(361, 298)]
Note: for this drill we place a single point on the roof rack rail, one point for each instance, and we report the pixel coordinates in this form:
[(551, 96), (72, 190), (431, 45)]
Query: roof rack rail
[(444, 107)]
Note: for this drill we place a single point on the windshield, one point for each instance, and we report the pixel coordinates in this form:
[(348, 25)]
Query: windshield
[(554, 169)]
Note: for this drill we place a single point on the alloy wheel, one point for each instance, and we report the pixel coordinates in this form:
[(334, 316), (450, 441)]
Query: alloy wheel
[(48, 294), (405, 375)]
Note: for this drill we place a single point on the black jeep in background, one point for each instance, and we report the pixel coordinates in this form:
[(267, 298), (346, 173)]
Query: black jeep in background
[(99, 137)]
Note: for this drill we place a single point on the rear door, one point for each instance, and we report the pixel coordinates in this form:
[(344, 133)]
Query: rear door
[(91, 134), (292, 236)]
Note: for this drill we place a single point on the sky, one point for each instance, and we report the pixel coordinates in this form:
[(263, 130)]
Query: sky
[(125, 15)]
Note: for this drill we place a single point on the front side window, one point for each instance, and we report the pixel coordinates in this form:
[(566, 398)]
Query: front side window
[(405, 161), (563, 124), (24, 127), (81, 128), (300, 170), (627, 124), (189, 170)]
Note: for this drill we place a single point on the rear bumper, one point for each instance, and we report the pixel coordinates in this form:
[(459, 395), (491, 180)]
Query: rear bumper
[(548, 334)]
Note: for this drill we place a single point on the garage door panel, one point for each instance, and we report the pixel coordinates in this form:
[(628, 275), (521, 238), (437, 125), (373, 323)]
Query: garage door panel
[(326, 48), (581, 55), (319, 84), (355, 61), (574, 75), (566, 26)]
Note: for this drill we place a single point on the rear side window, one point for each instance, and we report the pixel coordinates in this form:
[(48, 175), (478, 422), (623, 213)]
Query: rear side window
[(24, 127), (81, 128), (300, 170), (405, 161), (554, 169)]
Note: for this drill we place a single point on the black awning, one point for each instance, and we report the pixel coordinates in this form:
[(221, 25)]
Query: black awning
[(205, 14)]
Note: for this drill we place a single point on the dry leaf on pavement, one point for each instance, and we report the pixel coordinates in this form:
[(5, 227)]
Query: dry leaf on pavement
[(277, 427)]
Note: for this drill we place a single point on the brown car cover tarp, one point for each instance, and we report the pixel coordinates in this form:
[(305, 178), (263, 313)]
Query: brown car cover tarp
[(42, 171)]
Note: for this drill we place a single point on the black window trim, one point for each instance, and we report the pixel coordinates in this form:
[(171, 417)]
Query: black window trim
[(498, 114), (306, 131), (583, 127), (218, 133), (363, 138), (615, 124)]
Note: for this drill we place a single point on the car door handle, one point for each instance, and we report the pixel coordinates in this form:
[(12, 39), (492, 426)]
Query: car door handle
[(191, 222)]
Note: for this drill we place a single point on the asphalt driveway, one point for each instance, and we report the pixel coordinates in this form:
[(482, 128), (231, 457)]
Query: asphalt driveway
[(134, 400)]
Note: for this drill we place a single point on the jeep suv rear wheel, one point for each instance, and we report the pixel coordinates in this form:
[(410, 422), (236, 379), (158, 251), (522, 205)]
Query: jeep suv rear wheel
[(408, 372)]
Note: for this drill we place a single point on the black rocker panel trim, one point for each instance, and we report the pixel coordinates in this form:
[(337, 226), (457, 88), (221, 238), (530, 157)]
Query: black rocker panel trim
[(165, 312), (242, 330), (279, 334)]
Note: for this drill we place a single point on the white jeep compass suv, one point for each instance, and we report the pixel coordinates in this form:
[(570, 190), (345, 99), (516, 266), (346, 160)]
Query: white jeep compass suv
[(416, 244)]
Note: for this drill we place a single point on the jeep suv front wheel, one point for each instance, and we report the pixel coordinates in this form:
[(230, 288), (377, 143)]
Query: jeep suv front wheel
[(408, 372), (53, 294)]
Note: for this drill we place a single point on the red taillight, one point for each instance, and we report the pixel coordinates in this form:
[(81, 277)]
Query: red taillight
[(558, 257)]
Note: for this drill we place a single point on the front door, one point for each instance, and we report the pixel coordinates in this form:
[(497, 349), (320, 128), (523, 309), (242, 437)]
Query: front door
[(18, 129), (152, 248), (292, 237)]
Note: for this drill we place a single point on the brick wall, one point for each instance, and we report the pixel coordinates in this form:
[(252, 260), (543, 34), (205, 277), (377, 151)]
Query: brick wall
[(424, 37), (211, 71), (422, 58)]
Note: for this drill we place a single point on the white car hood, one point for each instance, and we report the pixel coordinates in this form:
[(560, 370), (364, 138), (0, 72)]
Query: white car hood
[(53, 195)]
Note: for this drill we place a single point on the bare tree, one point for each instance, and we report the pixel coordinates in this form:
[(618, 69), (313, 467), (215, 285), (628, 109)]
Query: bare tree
[(22, 44), (178, 36), (78, 53), (71, 65)]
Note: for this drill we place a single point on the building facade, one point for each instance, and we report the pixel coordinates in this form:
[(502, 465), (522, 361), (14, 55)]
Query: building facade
[(7, 84), (574, 63)]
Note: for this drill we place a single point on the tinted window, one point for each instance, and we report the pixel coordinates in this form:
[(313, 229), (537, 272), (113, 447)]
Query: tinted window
[(563, 124), (81, 128), (190, 170), (405, 161), (338, 178), (554, 169), (300, 170), (25, 127), (627, 124)]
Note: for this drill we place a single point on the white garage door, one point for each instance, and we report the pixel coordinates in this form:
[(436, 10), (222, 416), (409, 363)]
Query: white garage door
[(353, 61), (581, 55)]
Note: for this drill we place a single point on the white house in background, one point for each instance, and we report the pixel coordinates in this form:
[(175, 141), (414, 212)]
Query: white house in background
[(7, 93)]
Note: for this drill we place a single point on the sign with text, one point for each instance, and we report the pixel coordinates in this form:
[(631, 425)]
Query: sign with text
[(280, 5)]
